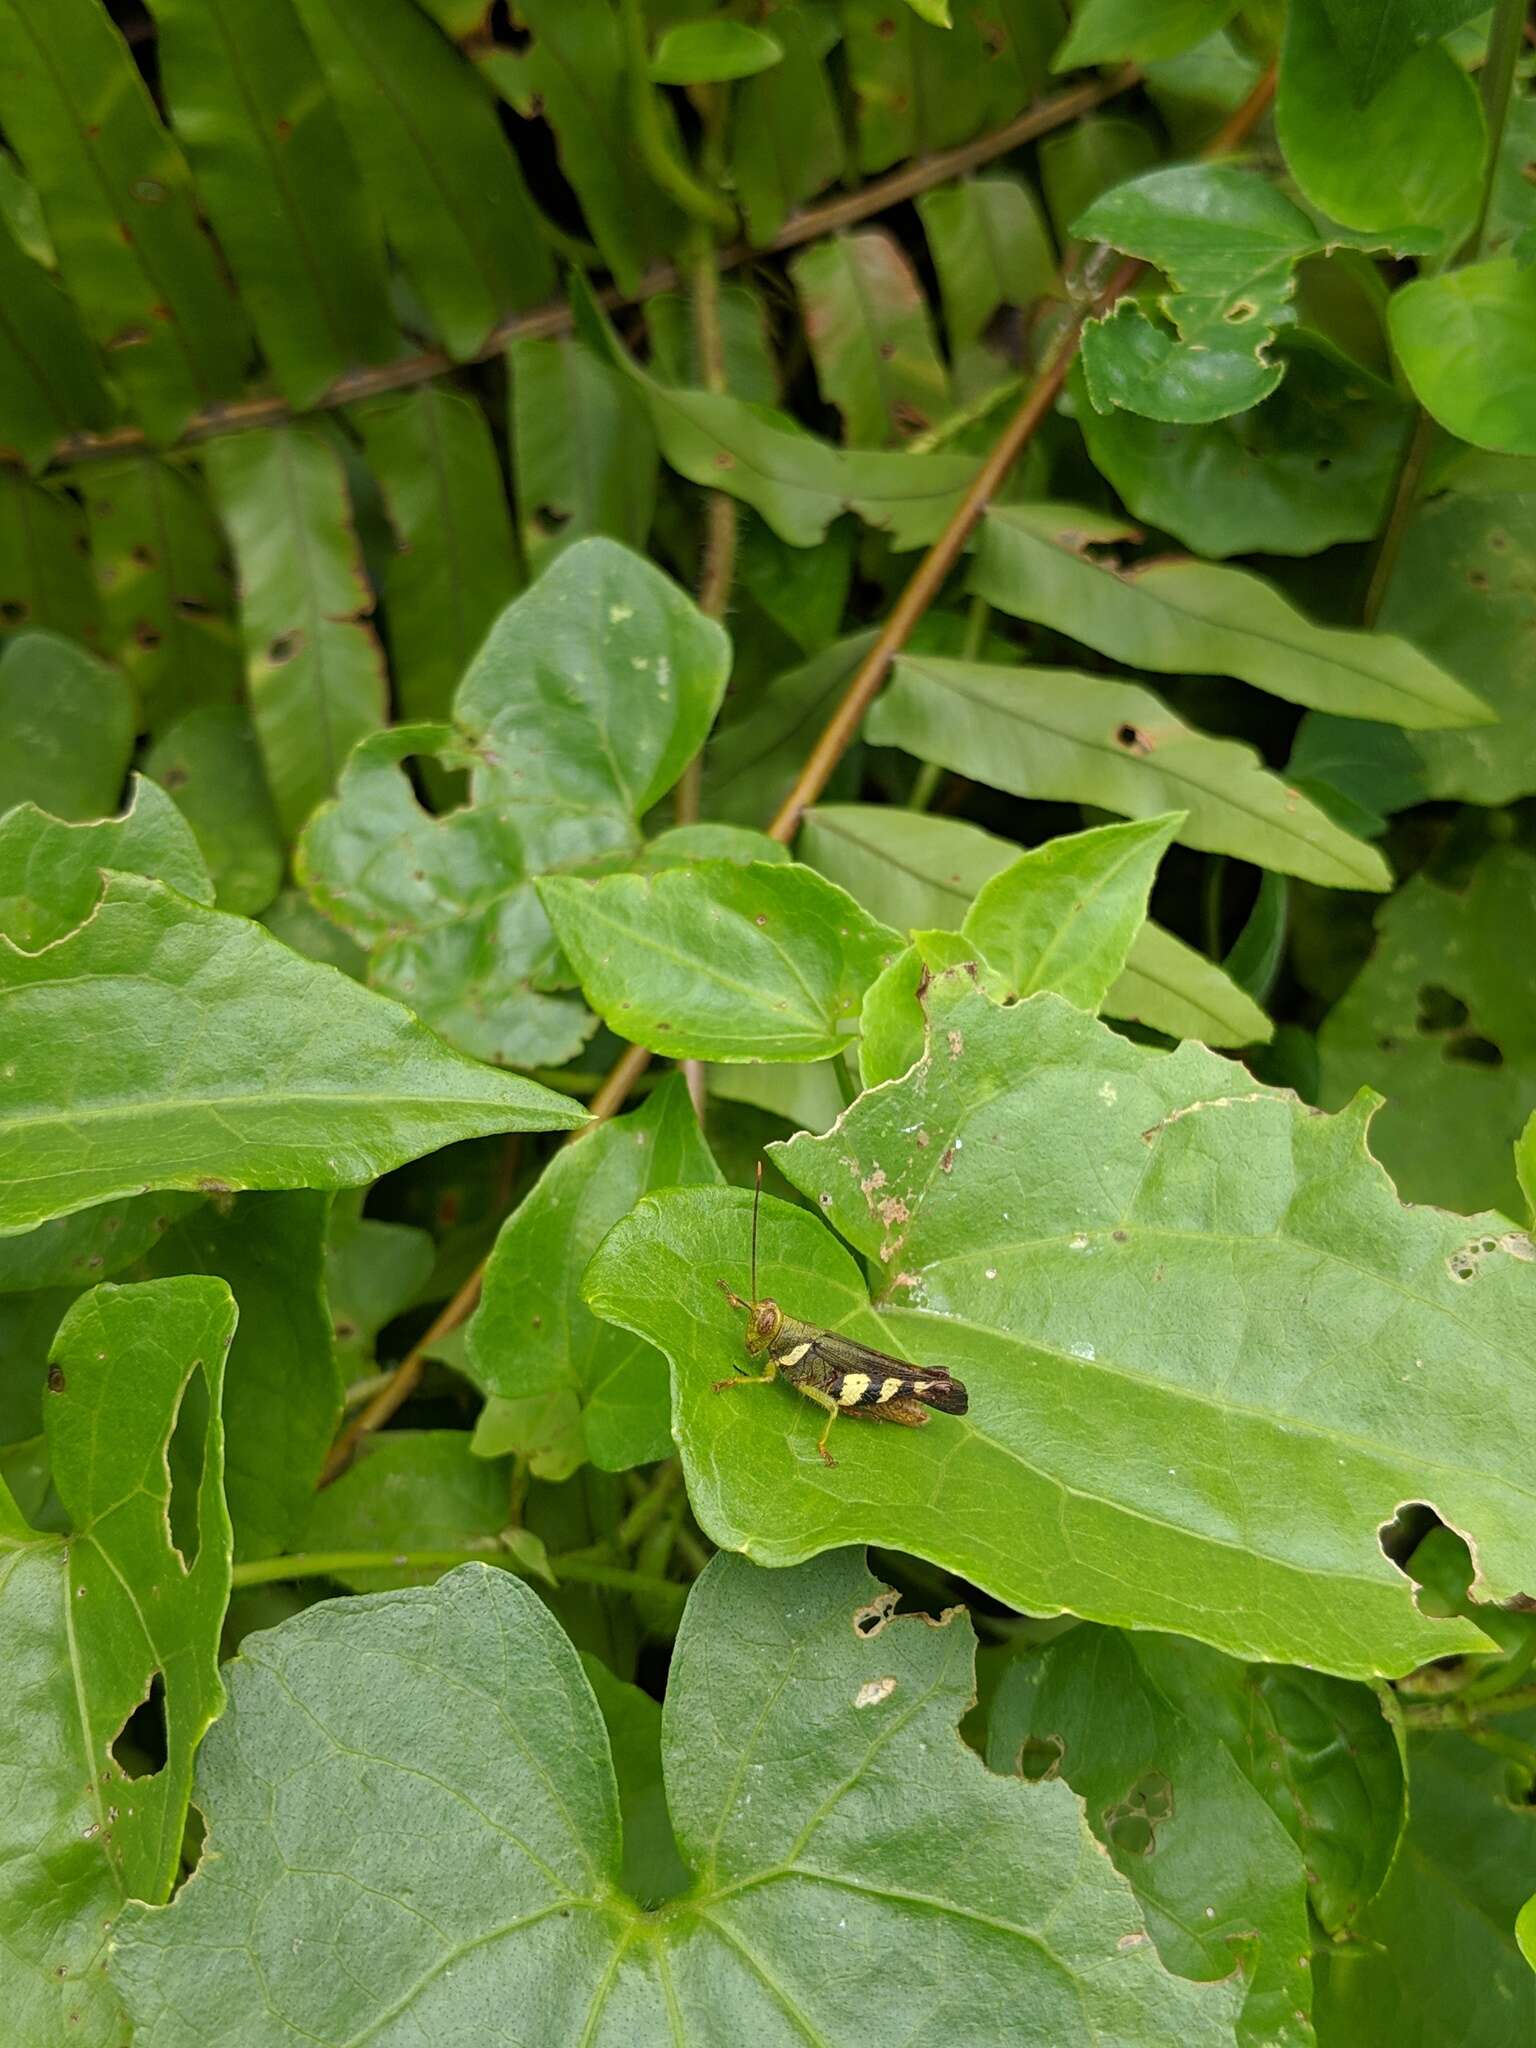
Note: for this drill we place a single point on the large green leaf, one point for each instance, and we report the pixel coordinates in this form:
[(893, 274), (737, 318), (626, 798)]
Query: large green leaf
[(1407, 156), (1063, 734), (720, 961), (234, 1064), (120, 209), (600, 1394), (1228, 244), (66, 728), (455, 562), (591, 693), (1181, 1302), (1224, 1792), (919, 872), (50, 872), (867, 325), (423, 129), (1375, 38), (1186, 617), (315, 676), (136, 1592), (249, 100), (1464, 341), (1437, 1957), (1442, 1020), (441, 1750), (167, 597)]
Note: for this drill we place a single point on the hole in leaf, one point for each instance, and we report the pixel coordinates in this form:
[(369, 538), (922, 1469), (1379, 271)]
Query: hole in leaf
[(283, 648), (1471, 1050), (1439, 1010), (140, 1747), (184, 1453), (1040, 1757), (1131, 1833), (1401, 1536), (1239, 311)]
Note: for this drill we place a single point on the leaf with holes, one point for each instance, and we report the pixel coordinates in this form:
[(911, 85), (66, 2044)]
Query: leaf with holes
[(588, 698), (867, 325), (1180, 1301), (797, 1709), (122, 1614), (237, 1064), (720, 961), (50, 871)]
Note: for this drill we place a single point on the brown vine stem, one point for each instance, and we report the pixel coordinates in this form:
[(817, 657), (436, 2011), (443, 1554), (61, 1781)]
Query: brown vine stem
[(928, 577), (542, 323), (829, 749)]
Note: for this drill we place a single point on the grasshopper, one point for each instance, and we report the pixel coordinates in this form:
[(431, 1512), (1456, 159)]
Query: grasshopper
[(834, 1371)]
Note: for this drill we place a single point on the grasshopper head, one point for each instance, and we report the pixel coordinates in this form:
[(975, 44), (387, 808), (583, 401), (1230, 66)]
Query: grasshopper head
[(763, 1325)]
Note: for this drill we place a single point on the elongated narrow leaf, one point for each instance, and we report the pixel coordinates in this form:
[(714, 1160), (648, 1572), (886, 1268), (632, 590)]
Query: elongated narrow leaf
[(867, 324), (1108, 31), (923, 84), (590, 1391), (120, 209), (45, 579), (314, 671), (422, 125), (593, 690), (1186, 617), (1068, 1207), (455, 564), (721, 962), (786, 137), (921, 872), (61, 1259), (167, 595), (991, 248), (211, 764), (584, 457), (1056, 733), (1463, 340), (237, 1065), (50, 870), (66, 728), (753, 758), (250, 102), (50, 380), (135, 1593), (500, 1810)]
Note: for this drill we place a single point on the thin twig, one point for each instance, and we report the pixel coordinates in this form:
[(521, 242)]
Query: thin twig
[(717, 569), (543, 323)]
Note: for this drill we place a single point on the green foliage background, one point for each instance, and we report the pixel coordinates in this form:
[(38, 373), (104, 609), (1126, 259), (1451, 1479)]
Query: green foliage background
[(455, 460)]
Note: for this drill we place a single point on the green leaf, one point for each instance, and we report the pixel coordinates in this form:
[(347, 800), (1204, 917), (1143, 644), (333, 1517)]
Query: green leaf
[(74, 1252), (373, 1271), (1216, 1788), (1437, 1958), (584, 456), (988, 1186), (50, 381), (1228, 243), (1375, 38), (409, 1489), (455, 561), (1409, 156), (167, 597), (236, 1064), (1109, 31), (1440, 1021), (1063, 916), (533, 1338), (282, 1395), (1525, 1930), (1525, 1165), (1184, 617), (45, 577), (66, 728), (423, 129), (867, 326), (754, 757), (786, 138), (652, 1870), (991, 248), (1463, 340), (120, 209), (50, 871), (477, 1723), (314, 672), (746, 348), (719, 961), (704, 52), (1168, 986), (1064, 735), (136, 1591), (919, 86), (592, 692), (274, 171), (211, 764), (1091, 156)]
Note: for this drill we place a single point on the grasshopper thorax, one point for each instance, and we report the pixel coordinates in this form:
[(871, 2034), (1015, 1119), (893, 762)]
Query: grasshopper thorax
[(764, 1321)]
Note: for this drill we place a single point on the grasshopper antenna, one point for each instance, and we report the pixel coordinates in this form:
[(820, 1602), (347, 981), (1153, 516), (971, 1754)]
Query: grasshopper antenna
[(756, 1200)]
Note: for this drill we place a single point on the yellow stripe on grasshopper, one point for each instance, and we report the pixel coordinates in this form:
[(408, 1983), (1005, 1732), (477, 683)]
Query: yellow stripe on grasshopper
[(852, 1390)]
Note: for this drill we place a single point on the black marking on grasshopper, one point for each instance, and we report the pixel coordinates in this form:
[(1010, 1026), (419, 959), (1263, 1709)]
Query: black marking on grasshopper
[(836, 1372)]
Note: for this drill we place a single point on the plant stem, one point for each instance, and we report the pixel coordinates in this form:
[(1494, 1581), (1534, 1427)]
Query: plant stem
[(543, 322), (718, 567), (326, 1564), (924, 783), (649, 1505), (1456, 1712), (1410, 481), (655, 143), (1496, 84)]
